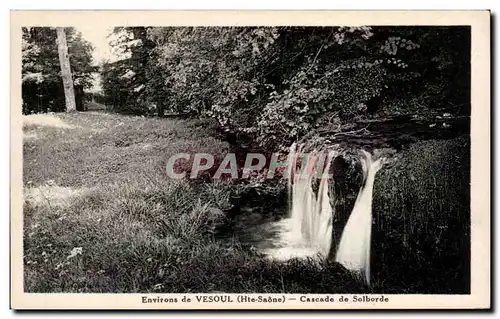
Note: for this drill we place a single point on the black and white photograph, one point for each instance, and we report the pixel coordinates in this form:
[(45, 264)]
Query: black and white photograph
[(249, 164)]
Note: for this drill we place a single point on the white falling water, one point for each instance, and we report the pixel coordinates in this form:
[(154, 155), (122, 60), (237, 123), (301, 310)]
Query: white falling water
[(312, 213), (308, 230), (354, 247)]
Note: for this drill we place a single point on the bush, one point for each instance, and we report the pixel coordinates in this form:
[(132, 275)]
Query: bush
[(421, 237)]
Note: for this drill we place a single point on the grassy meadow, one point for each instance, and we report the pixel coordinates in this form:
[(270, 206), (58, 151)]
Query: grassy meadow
[(100, 215)]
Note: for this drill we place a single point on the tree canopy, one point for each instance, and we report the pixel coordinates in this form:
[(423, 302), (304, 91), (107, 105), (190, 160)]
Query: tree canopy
[(277, 84)]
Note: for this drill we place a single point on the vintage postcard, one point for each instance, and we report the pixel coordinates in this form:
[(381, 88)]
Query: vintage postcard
[(250, 160)]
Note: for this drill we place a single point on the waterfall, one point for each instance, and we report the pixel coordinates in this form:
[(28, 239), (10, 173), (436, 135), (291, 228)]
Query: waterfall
[(354, 248), (307, 232), (311, 213)]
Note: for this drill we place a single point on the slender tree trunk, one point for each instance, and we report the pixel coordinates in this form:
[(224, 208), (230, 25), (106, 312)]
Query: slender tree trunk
[(161, 108), (69, 92)]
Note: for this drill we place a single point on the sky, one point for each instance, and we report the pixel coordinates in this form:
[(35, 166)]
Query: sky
[(98, 37)]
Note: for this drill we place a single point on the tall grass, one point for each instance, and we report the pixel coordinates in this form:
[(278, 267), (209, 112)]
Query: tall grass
[(155, 239)]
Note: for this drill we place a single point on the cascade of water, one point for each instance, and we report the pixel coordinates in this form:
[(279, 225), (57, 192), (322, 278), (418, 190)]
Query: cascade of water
[(308, 230), (291, 172), (324, 213), (354, 249), (311, 214)]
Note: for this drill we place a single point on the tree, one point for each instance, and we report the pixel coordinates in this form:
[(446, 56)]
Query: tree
[(132, 84), (69, 92), (42, 85)]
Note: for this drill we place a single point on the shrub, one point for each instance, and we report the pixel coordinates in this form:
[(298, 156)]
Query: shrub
[(421, 238)]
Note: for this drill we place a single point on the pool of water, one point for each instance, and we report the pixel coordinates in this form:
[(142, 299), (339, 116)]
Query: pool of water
[(269, 233)]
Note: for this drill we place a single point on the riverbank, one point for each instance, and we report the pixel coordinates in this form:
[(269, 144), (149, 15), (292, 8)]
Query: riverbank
[(100, 215)]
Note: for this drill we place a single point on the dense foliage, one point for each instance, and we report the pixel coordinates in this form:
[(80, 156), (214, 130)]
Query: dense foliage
[(129, 83), (42, 88), (277, 84)]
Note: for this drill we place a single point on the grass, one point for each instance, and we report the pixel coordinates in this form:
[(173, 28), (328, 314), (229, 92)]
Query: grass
[(101, 216), (99, 148)]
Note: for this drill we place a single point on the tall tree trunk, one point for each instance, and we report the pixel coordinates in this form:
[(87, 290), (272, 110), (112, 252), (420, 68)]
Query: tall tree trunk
[(69, 92)]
